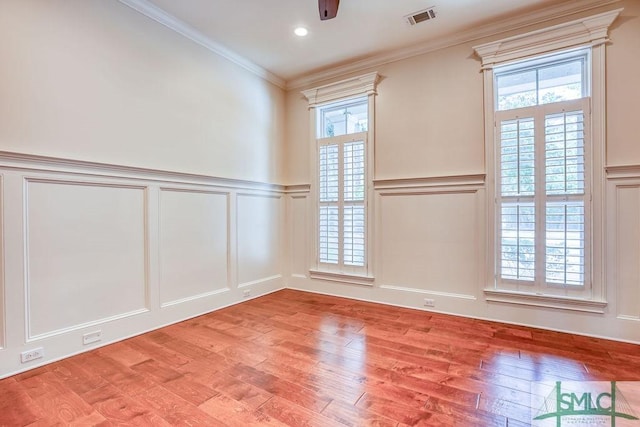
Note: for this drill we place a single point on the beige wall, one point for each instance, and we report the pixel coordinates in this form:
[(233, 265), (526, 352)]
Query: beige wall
[(431, 242), (95, 80), (623, 88), (429, 117)]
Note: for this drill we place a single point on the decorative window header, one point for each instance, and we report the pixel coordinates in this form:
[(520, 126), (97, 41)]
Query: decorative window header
[(355, 86), (591, 30)]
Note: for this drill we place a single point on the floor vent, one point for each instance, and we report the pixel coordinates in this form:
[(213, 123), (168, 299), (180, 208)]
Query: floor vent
[(421, 16)]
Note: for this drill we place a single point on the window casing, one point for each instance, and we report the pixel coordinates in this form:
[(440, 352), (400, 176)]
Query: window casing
[(542, 174), (545, 190), (342, 177), (342, 133)]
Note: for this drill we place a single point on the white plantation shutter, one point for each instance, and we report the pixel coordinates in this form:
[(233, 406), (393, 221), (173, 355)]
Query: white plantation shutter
[(342, 208), (354, 212), (565, 189), (328, 217), (565, 249), (517, 188), (518, 228), (542, 196), (564, 153), (517, 157)]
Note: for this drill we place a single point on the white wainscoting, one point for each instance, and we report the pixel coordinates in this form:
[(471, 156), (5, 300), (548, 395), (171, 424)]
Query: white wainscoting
[(259, 221), (84, 242), (122, 250), (430, 243), (194, 245), (445, 257), (3, 321), (624, 230), (298, 220)]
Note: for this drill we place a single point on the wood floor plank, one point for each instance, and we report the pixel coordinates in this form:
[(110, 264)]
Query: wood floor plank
[(174, 409), (275, 385), (353, 416), (248, 394), (299, 359)]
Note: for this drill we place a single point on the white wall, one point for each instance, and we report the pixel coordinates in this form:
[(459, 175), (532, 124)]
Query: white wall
[(431, 225), (140, 178)]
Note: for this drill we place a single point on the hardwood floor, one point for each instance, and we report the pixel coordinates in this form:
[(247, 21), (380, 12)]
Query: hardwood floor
[(299, 359)]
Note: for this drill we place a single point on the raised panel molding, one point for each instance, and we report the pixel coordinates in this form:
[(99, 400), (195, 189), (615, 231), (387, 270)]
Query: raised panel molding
[(194, 245), (430, 240), (81, 253), (3, 316), (81, 250), (259, 226), (624, 228), (298, 220)]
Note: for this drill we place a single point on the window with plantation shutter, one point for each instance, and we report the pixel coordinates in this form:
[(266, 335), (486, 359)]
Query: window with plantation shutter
[(342, 133), (542, 182), (545, 143), (342, 214)]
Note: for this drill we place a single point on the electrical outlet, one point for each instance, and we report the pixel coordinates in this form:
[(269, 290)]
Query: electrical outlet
[(428, 302), (92, 337), (246, 293), (28, 356)]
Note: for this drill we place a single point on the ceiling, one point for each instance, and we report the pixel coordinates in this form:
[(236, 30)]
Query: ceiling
[(262, 30)]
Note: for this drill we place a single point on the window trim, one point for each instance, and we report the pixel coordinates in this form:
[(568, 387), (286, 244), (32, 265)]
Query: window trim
[(590, 31), (363, 86)]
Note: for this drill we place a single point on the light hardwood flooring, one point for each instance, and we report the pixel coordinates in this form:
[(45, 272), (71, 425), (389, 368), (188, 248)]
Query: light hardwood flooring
[(299, 359)]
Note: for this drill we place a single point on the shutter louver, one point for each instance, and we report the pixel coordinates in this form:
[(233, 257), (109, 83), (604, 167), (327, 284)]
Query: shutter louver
[(328, 217), (517, 157), (565, 187), (354, 217), (518, 241)]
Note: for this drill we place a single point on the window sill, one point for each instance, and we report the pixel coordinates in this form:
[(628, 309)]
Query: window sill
[(547, 301), (352, 279)]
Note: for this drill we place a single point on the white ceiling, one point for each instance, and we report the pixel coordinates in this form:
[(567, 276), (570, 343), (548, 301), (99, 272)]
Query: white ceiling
[(262, 30)]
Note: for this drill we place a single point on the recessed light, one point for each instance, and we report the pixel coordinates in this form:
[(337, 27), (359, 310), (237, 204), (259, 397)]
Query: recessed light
[(301, 31)]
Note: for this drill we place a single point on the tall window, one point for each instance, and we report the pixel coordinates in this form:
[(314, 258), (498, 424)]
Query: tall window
[(342, 132), (342, 209), (545, 116), (543, 180)]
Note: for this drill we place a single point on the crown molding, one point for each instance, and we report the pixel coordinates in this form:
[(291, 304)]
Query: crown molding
[(488, 30), (154, 12)]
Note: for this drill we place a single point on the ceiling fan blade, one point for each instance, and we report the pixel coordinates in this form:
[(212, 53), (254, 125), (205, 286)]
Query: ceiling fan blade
[(328, 9)]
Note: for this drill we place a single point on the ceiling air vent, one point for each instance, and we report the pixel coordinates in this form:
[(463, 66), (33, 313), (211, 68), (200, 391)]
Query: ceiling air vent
[(421, 16)]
